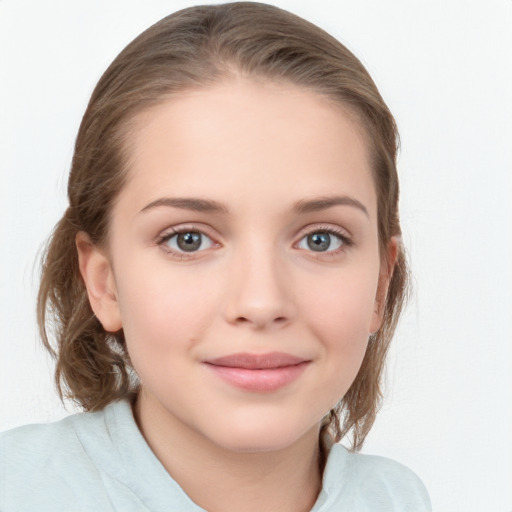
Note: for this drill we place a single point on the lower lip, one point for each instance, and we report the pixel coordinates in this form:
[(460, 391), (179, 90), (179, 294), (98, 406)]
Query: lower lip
[(259, 381)]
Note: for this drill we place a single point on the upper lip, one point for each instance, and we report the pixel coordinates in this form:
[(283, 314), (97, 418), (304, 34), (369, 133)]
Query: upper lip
[(257, 361)]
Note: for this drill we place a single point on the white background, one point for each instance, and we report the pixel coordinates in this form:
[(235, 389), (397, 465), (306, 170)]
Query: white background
[(445, 69)]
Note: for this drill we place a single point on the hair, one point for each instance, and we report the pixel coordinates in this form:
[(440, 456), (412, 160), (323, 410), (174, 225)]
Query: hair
[(194, 48)]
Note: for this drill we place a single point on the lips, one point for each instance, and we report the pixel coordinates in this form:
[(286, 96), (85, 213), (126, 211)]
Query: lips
[(260, 373)]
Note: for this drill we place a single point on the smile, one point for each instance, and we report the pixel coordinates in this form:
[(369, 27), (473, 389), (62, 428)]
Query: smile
[(259, 373)]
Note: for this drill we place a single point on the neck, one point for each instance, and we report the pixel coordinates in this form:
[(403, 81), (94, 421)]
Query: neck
[(218, 479)]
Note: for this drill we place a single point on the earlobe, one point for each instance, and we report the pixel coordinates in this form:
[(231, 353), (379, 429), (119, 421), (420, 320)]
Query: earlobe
[(386, 273), (98, 277)]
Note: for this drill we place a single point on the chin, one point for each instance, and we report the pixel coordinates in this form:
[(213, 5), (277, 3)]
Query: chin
[(263, 436)]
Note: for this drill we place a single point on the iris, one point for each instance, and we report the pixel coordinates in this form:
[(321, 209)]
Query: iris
[(189, 241), (319, 241)]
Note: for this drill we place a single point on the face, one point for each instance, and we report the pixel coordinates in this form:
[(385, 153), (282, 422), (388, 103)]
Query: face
[(243, 262)]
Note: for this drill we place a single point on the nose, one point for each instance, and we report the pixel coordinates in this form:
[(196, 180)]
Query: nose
[(259, 292)]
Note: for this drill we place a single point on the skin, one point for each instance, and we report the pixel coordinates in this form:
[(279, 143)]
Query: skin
[(259, 150)]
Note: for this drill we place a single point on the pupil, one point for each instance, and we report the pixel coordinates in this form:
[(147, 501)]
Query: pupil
[(319, 241), (189, 241)]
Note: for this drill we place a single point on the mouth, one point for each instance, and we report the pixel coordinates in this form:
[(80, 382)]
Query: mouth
[(260, 373)]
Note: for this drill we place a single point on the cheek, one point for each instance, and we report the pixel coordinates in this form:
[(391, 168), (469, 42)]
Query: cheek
[(339, 312), (341, 306), (163, 312)]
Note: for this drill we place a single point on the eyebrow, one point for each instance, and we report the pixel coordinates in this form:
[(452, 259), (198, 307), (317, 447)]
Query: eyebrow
[(209, 206), (187, 203), (323, 203)]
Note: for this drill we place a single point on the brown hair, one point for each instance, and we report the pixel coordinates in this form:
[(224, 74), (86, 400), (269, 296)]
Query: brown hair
[(196, 47)]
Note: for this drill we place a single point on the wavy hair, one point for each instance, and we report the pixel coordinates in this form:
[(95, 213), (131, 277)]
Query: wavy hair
[(194, 48)]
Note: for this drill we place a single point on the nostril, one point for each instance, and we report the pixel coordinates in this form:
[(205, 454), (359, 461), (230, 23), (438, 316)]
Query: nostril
[(260, 321)]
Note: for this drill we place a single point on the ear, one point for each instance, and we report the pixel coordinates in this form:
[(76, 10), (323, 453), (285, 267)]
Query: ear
[(98, 277), (387, 266)]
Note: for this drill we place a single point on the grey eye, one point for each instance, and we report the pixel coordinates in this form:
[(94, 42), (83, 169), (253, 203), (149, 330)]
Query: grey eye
[(321, 241), (189, 241)]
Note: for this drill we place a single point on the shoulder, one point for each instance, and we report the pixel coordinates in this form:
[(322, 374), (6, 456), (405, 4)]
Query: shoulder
[(374, 483), (83, 463), (31, 445), (48, 466), (34, 445)]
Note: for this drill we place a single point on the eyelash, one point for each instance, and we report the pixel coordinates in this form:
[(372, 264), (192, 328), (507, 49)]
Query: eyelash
[(346, 241), (162, 240)]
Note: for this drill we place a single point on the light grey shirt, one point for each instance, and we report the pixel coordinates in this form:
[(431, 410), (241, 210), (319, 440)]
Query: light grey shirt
[(100, 462)]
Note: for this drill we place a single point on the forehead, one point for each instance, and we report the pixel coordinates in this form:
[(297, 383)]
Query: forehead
[(278, 140)]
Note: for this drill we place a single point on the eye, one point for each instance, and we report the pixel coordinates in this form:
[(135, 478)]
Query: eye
[(323, 241), (186, 241)]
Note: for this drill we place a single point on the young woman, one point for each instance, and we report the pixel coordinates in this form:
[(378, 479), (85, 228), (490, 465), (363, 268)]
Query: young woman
[(225, 281)]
